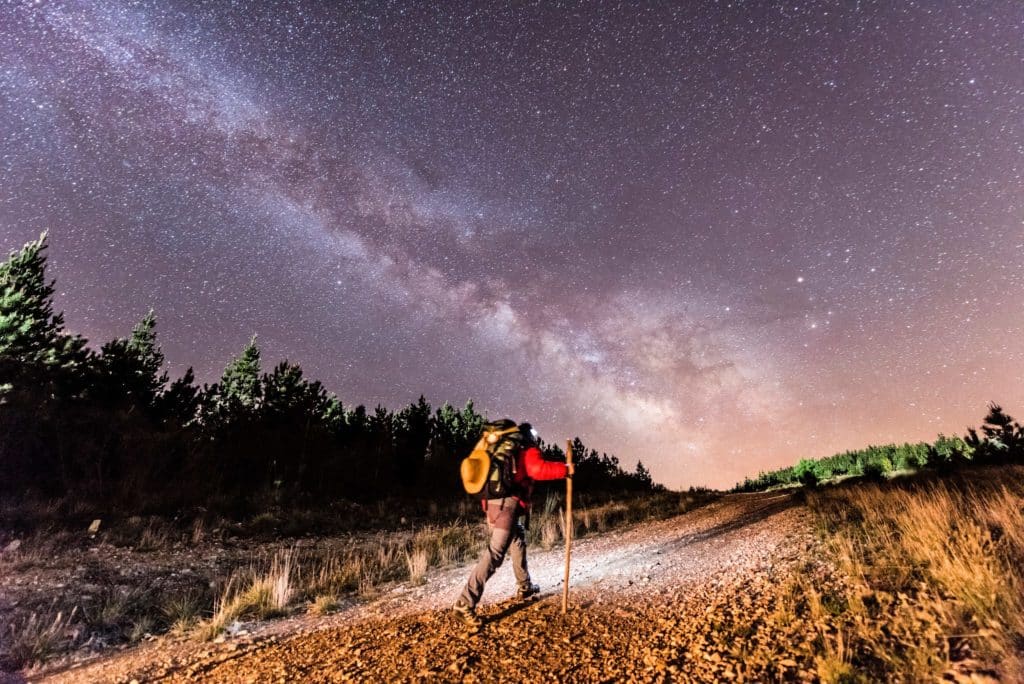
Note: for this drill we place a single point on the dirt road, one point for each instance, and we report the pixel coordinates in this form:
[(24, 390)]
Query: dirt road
[(684, 598)]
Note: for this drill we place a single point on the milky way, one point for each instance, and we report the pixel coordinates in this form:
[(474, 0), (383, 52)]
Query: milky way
[(715, 237)]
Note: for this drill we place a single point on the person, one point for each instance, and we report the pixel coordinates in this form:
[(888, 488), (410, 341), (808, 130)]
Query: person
[(505, 515)]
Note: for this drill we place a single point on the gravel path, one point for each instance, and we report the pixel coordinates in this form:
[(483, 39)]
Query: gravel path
[(681, 599)]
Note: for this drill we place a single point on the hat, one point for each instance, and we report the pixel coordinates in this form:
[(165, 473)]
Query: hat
[(529, 434), (475, 468)]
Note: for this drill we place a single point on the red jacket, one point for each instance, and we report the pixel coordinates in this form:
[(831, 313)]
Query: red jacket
[(530, 467)]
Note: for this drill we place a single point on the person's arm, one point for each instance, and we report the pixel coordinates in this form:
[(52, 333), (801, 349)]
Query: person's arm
[(539, 469)]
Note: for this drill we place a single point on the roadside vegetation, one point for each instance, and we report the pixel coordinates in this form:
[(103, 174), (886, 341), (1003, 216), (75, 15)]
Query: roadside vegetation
[(931, 561), (211, 577), (871, 462), (914, 579), (933, 577), (929, 540), (999, 440)]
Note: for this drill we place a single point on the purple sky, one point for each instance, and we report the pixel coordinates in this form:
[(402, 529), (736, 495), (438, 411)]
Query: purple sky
[(717, 237)]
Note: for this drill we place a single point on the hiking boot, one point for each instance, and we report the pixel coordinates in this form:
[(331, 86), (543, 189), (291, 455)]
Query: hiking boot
[(527, 590), (466, 613)]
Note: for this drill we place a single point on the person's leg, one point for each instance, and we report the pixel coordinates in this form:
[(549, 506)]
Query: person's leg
[(517, 551), (501, 523)]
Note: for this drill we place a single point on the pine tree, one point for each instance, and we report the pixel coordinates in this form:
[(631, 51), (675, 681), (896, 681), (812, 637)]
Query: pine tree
[(240, 383), (412, 432), (579, 451), (238, 395), (132, 366), (1003, 438), (43, 374), (643, 475), (333, 416), (179, 403), (30, 331), (236, 399), (284, 389)]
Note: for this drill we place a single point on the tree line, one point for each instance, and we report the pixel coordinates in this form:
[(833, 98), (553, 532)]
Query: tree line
[(109, 426), (999, 440)]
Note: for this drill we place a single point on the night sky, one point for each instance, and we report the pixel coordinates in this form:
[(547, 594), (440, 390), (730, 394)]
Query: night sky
[(717, 237)]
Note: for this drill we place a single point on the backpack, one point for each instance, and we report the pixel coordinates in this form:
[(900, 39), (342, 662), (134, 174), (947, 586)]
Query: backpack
[(490, 469)]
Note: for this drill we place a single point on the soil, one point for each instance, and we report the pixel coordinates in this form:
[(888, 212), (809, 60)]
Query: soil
[(682, 599)]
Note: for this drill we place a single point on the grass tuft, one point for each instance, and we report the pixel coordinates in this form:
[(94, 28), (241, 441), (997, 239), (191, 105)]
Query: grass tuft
[(324, 604), (418, 561), (181, 611), (256, 595), (33, 640)]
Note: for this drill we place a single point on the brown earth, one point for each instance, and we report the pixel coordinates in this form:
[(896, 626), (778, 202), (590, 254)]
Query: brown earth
[(696, 597)]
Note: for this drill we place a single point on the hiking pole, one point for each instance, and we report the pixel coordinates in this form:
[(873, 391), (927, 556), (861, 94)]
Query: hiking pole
[(568, 526)]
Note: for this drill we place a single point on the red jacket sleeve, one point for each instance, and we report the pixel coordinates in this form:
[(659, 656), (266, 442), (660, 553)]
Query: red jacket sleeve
[(539, 469)]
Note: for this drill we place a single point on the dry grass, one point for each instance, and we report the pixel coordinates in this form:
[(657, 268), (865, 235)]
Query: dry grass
[(455, 543), (418, 561), (198, 531), (817, 609), (141, 628), (550, 532), (181, 611), (383, 565), (936, 573), (259, 595), (114, 607), (547, 526), (324, 604), (33, 640), (334, 574), (386, 557), (37, 551), (155, 537)]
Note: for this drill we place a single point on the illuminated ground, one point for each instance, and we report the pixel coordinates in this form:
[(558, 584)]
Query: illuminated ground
[(682, 597)]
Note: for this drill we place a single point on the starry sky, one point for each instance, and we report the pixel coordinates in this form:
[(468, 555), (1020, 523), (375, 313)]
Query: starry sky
[(714, 236)]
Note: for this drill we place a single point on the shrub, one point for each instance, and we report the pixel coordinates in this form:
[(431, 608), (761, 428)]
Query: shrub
[(806, 473), (876, 469), (948, 453)]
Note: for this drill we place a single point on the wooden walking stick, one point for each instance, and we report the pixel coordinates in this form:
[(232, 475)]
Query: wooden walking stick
[(568, 526)]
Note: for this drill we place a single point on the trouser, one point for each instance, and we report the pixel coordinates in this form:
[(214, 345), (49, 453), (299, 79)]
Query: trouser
[(506, 534)]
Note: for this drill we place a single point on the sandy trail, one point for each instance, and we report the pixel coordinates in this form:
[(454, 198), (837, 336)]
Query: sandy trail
[(647, 603)]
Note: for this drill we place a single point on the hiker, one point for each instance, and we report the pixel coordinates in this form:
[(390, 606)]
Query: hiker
[(506, 501)]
